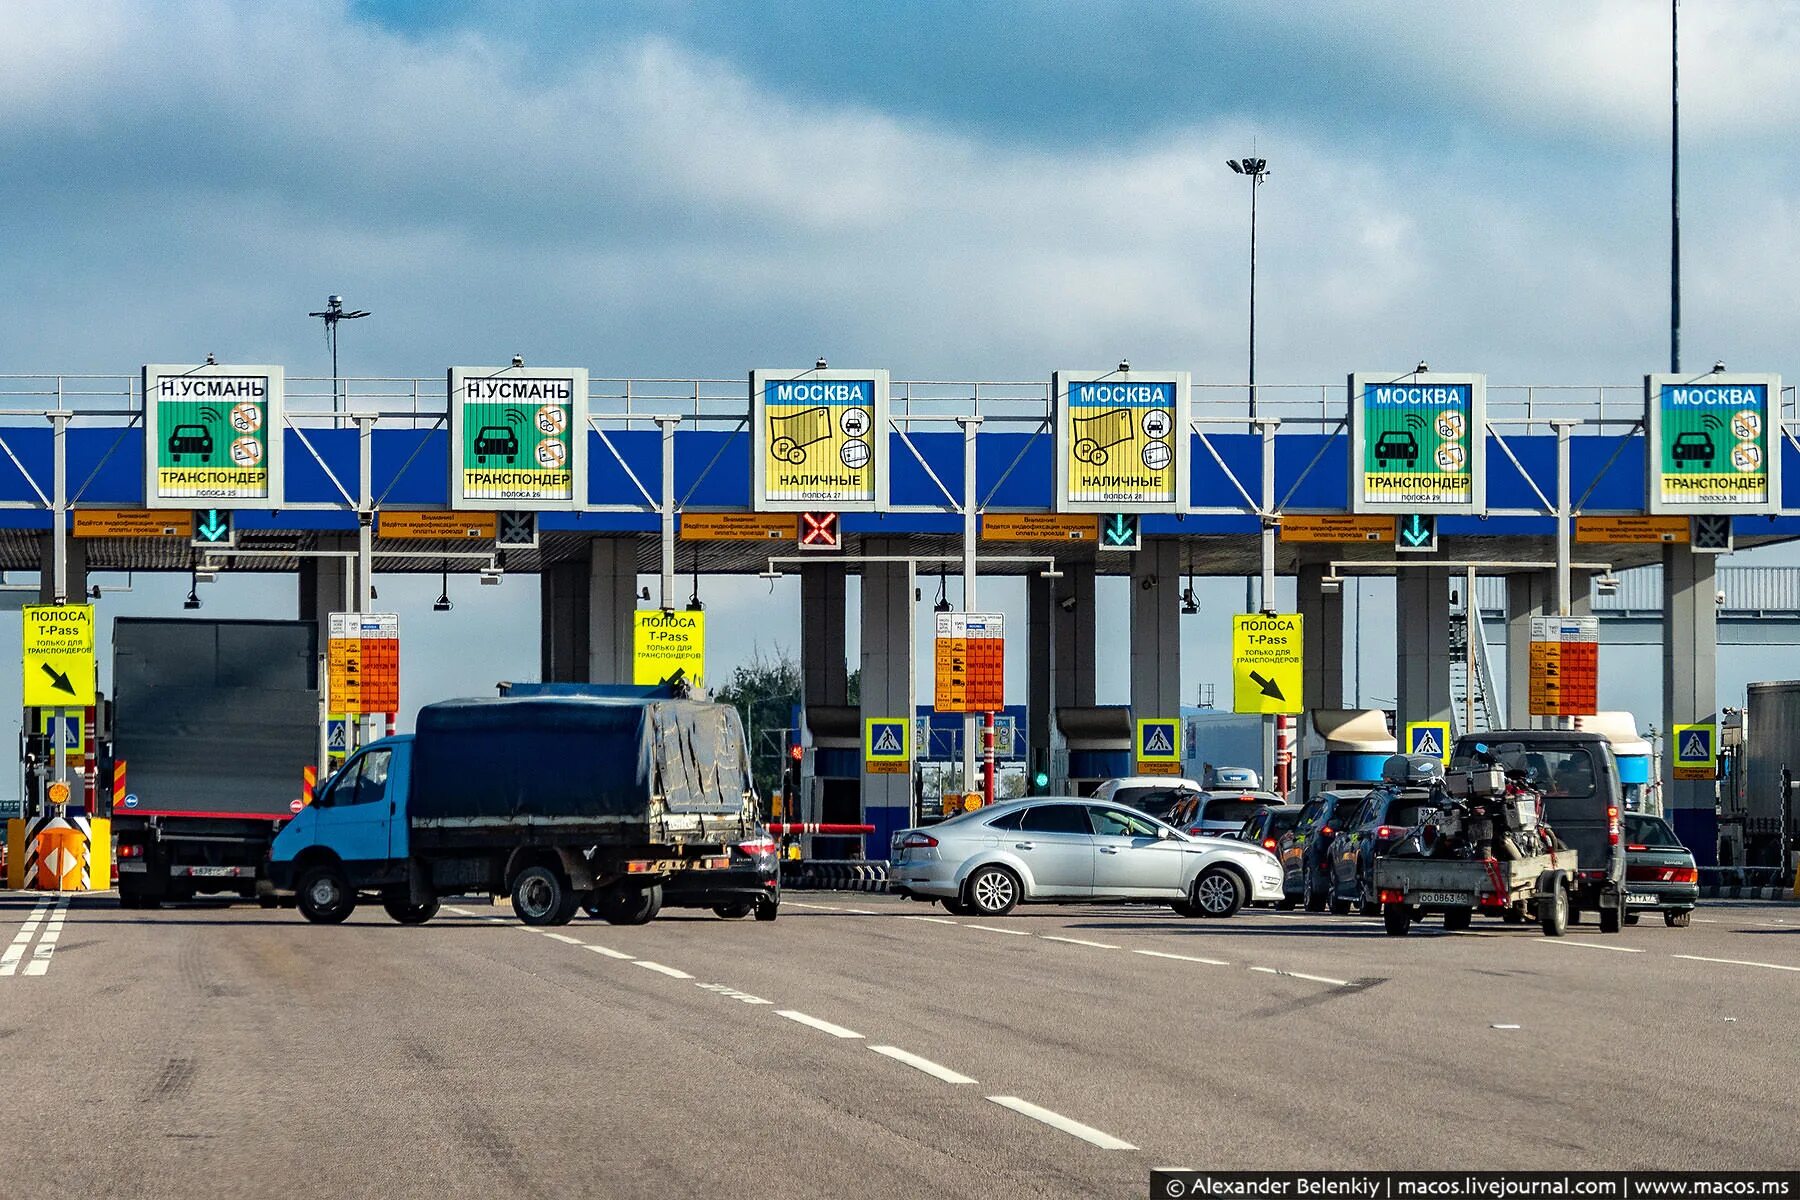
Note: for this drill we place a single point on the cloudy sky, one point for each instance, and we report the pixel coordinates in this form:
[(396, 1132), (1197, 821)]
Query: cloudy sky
[(982, 190)]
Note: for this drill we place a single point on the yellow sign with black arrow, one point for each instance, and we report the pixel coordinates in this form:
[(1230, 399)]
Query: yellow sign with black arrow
[(1266, 662), (59, 655)]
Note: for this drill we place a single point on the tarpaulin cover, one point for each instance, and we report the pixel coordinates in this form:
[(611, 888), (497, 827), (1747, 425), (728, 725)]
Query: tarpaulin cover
[(569, 759)]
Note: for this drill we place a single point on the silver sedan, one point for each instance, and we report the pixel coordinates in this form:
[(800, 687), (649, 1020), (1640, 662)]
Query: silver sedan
[(1068, 850)]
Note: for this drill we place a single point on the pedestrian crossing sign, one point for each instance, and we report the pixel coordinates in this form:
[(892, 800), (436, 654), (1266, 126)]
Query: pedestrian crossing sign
[(1429, 737), (1696, 752), (887, 745), (1158, 744)]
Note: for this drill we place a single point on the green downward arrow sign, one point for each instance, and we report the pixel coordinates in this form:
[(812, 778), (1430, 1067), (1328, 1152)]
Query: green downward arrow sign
[(1120, 531), (214, 528), (1414, 532)]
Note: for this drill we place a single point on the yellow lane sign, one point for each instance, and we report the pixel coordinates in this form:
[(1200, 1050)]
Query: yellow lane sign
[(1265, 663), (59, 655), (664, 642)]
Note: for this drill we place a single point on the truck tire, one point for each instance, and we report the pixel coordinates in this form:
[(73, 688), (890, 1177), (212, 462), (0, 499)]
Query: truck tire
[(1396, 919), (1677, 919), (733, 912), (1553, 911), (542, 896), (1458, 918), (628, 906), (399, 905), (324, 896), (767, 910), (1218, 893), (1612, 920)]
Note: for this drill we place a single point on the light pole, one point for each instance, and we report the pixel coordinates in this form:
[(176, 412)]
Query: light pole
[(1675, 186), (1258, 170), (334, 312)]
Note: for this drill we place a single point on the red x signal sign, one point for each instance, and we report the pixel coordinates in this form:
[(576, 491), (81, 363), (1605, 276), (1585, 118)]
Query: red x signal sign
[(820, 531)]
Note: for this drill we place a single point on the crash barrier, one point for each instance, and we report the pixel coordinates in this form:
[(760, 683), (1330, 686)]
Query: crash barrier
[(1747, 883), (835, 875), (59, 853)]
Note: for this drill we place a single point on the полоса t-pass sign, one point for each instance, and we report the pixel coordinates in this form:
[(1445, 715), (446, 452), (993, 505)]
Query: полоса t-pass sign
[(1418, 442), (1121, 440), (518, 435), (213, 435), (1714, 442), (819, 439)]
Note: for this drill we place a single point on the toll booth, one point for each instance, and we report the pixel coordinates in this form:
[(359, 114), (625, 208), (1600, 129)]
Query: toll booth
[(1346, 749), (63, 846), (831, 778), (1639, 780), (1097, 743), (938, 738)]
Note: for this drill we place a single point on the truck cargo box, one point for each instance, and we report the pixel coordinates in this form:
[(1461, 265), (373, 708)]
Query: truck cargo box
[(575, 760)]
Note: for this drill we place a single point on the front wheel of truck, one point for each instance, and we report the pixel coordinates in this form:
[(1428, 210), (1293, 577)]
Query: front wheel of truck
[(324, 897), (541, 896), (399, 906)]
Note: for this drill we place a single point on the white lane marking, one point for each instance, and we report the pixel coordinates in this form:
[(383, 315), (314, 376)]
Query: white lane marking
[(461, 912), (861, 912), (9, 960), (935, 1070), (671, 972), (1211, 962), (933, 920), (1086, 1133), (837, 1031), (1503, 1026), (1588, 945), (1706, 920), (820, 907), (563, 937), (611, 953), (997, 929), (1050, 937), (727, 990), (1302, 975), (1286, 916), (1735, 962), (46, 947)]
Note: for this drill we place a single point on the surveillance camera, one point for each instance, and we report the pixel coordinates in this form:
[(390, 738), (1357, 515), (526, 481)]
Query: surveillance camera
[(334, 301), (1067, 604), (820, 364), (1718, 366), (1124, 366), (1148, 582), (1719, 599), (1422, 367), (518, 360)]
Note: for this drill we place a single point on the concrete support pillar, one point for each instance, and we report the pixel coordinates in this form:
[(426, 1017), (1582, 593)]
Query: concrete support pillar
[(1529, 595), (1156, 630), (1690, 681), (1422, 643), (77, 560), (1322, 626), (587, 605), (824, 674), (887, 684), (1060, 621), (325, 583)]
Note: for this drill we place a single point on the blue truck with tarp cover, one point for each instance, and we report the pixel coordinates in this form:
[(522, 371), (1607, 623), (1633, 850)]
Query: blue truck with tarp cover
[(562, 802)]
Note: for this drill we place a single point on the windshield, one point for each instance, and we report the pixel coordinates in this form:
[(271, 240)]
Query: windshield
[(1232, 810), (1650, 831), (1153, 801), (1566, 771)]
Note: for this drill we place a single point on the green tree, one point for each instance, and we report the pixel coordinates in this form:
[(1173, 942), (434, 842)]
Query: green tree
[(764, 690)]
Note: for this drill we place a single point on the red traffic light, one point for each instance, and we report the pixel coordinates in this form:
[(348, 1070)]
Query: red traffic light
[(796, 752)]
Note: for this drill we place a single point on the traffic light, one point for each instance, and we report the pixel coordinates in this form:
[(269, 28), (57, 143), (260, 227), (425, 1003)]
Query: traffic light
[(213, 527), (1416, 533), (1711, 534), (1040, 782), (1121, 531), (790, 781)]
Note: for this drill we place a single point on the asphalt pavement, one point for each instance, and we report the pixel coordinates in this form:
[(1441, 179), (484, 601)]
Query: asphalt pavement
[(869, 1046)]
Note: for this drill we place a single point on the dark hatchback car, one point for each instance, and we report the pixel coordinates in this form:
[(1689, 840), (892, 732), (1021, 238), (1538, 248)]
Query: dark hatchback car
[(1305, 850), (1268, 823), (1219, 814), (1389, 814), (1583, 801), (1660, 875)]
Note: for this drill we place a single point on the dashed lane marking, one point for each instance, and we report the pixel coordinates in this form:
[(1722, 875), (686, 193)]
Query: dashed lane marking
[(611, 953), (1050, 937), (46, 946), (1735, 962), (1302, 975), (935, 1070), (836, 1031), (933, 920), (727, 990), (671, 972), (563, 937), (819, 907), (1585, 945), (1086, 1133), (997, 929), (1211, 962)]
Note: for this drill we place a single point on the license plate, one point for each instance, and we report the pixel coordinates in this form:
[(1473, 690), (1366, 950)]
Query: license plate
[(1463, 898), (215, 872), (1642, 898)]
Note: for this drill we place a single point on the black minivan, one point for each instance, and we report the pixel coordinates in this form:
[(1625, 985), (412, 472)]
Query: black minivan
[(1583, 804)]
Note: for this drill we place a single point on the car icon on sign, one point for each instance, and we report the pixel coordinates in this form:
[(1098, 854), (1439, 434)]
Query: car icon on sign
[(1396, 445), (1693, 447), (190, 439), (496, 440)]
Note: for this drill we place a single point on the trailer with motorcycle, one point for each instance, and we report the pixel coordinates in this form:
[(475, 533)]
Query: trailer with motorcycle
[(1486, 848)]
